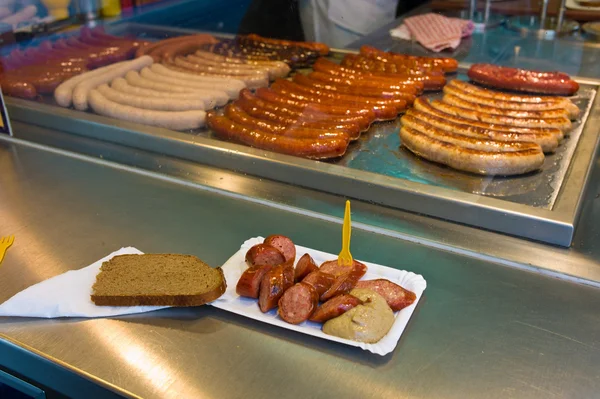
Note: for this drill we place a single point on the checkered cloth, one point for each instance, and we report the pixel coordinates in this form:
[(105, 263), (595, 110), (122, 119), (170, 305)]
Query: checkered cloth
[(435, 32)]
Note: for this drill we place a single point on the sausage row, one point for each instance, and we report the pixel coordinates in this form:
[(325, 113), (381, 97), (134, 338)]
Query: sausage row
[(297, 291), (486, 132)]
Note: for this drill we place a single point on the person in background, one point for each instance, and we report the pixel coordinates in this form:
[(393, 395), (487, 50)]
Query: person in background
[(334, 22)]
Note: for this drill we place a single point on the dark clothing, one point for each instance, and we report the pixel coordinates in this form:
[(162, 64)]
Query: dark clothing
[(279, 19)]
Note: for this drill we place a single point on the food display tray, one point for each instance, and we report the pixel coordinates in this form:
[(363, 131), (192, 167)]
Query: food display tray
[(248, 307), (542, 206)]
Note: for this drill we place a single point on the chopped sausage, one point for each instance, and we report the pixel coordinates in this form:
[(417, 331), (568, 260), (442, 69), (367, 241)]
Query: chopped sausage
[(249, 283), (334, 268), (284, 244), (334, 307), (320, 281), (304, 267), (271, 289), (298, 303), (396, 296), (264, 254), (344, 283)]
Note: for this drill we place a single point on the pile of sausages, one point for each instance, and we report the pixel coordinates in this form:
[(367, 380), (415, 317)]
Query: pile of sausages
[(317, 115), (487, 132), (297, 291), (257, 48), (39, 70)]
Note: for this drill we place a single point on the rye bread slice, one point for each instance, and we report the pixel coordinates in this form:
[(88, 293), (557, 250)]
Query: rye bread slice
[(157, 280)]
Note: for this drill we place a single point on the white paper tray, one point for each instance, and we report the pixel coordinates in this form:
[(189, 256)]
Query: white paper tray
[(247, 307)]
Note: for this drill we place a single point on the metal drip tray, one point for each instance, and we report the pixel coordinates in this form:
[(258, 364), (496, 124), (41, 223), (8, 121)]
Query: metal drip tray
[(531, 25)]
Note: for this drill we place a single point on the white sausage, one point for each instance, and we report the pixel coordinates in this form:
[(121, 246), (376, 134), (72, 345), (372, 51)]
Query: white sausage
[(63, 94), (134, 79), (182, 120), (121, 85), (81, 91), (219, 96), (230, 86), (251, 81), (147, 102)]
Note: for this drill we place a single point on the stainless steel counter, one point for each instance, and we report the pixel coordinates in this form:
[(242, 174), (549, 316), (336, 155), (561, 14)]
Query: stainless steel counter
[(482, 330)]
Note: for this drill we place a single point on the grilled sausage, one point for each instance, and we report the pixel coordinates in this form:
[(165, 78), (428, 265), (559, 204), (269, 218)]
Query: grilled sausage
[(448, 64), (264, 254), (298, 303), (283, 244), (272, 288), (335, 307), (335, 269), (319, 281), (304, 267), (475, 161), (249, 283), (396, 296)]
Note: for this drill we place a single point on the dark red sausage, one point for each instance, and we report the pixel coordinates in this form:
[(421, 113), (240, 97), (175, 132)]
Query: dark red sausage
[(335, 307), (332, 267), (395, 296), (272, 288), (17, 88), (304, 267), (498, 77), (320, 281), (307, 148), (264, 254), (238, 115), (448, 64), (288, 274), (284, 244), (298, 303), (249, 283), (344, 283)]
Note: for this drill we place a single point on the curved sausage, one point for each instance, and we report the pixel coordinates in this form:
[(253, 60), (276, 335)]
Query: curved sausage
[(396, 296), (335, 307), (321, 48), (171, 45), (557, 102), (298, 303), (308, 148), (252, 81), (507, 78), (424, 105), (335, 269), (392, 67), (281, 68), (304, 267), (381, 112), (366, 83), (237, 114), (149, 102), (181, 120), (475, 161), (271, 289), (320, 281), (547, 141), (264, 254), (249, 283), (454, 90), (307, 106), (120, 84), (467, 141), (250, 108), (448, 64), (340, 88), (134, 79), (561, 123)]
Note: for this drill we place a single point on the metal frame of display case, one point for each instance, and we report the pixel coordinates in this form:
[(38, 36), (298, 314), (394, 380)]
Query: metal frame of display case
[(554, 226)]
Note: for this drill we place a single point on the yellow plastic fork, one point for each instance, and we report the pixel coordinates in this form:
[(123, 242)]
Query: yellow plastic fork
[(345, 257), (5, 242)]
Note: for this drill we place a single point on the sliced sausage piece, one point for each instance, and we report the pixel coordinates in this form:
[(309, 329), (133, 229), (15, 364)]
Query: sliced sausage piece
[(288, 274), (298, 303), (334, 307), (344, 283), (284, 244), (304, 267), (249, 283), (271, 289), (395, 296), (332, 267), (264, 254), (320, 281)]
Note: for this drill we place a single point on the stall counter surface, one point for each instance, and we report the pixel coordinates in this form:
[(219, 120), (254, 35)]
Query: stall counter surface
[(481, 330)]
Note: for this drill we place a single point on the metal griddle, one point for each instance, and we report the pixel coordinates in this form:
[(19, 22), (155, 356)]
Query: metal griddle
[(542, 206)]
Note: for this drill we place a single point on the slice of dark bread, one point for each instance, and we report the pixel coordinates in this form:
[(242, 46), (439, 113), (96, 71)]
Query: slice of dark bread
[(157, 280)]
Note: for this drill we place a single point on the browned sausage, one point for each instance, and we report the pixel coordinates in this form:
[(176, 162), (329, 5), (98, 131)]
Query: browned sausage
[(334, 307), (264, 254), (322, 48), (320, 281), (365, 83), (272, 288), (335, 269), (238, 115), (304, 267), (344, 283), (249, 283), (298, 303), (448, 64), (308, 148), (288, 274), (284, 244), (396, 297)]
